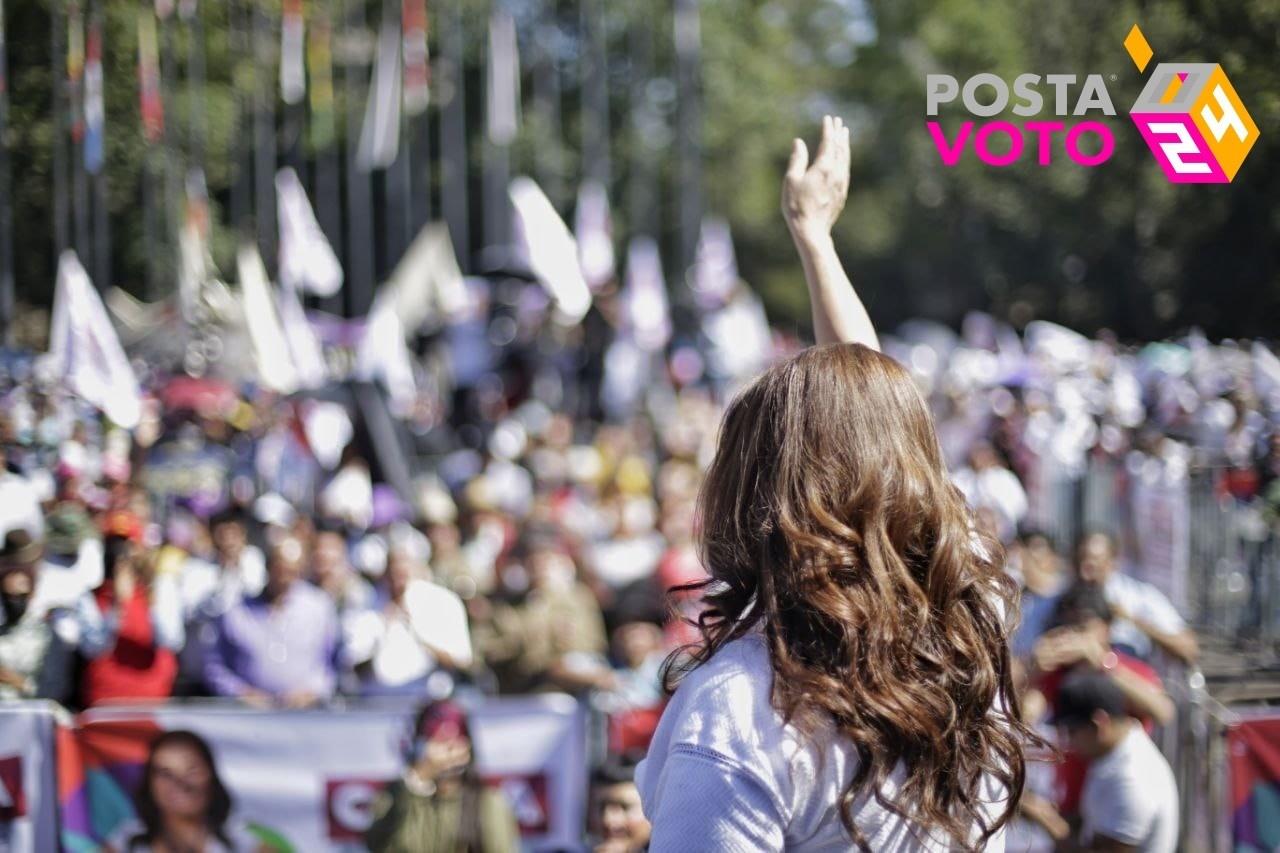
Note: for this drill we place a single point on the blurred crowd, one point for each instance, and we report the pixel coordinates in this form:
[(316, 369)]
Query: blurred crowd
[(242, 545)]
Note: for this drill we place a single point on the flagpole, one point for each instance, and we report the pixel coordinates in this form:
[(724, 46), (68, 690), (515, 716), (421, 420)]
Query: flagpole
[(501, 107), (241, 73), (173, 205), (640, 196), (6, 199), (595, 94), (264, 140), (100, 200), (151, 108), (688, 43), (79, 177), (418, 123), (359, 280), (61, 235), (546, 93), (323, 133), (453, 138), (295, 62), (196, 86), (396, 178)]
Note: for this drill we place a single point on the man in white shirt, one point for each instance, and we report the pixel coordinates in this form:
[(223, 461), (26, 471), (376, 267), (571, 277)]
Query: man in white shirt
[(1144, 618), (1130, 800)]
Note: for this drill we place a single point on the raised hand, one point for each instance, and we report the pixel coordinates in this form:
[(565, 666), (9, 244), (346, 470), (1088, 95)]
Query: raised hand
[(814, 194), (812, 197)]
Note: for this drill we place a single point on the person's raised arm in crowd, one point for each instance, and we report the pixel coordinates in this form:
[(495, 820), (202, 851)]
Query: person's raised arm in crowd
[(1166, 631), (813, 194)]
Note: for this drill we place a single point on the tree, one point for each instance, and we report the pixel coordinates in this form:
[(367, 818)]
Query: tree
[(1111, 246)]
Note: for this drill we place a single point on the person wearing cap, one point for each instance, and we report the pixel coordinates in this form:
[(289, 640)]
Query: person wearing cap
[(278, 648), (439, 803), (1130, 800), (72, 543)]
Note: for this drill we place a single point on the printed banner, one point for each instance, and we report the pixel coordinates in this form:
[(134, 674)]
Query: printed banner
[(28, 801), (1253, 749), (304, 781)]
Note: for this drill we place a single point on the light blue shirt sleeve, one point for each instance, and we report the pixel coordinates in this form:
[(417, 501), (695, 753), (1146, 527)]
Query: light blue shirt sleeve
[(705, 802)]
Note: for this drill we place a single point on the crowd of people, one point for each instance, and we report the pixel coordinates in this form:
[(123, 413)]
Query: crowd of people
[(232, 547)]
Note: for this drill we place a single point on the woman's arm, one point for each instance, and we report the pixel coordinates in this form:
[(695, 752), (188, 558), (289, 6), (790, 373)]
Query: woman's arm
[(812, 197)]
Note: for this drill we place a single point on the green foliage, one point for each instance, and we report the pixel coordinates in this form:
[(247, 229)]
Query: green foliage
[(1113, 246)]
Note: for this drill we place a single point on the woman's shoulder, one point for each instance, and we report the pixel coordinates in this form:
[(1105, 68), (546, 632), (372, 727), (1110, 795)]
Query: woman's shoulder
[(725, 705)]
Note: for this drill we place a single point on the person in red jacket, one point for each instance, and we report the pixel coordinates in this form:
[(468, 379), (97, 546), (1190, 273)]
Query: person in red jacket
[(132, 653)]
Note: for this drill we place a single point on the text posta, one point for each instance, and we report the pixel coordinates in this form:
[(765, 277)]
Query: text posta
[(1002, 143)]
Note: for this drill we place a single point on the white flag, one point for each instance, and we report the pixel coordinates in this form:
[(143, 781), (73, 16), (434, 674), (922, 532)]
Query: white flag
[(715, 269), (741, 342), (593, 227), (383, 356), (380, 134), (645, 314), (549, 249), (427, 285), (270, 349), (307, 261), (503, 103), (1066, 349), (84, 350), (300, 338)]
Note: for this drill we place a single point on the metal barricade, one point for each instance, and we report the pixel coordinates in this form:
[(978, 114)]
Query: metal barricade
[(1196, 747)]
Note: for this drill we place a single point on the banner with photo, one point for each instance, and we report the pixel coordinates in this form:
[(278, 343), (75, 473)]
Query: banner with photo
[(306, 780), (28, 800), (1253, 750)]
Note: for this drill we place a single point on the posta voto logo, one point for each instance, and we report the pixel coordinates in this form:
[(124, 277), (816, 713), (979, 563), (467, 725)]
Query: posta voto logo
[(1190, 115)]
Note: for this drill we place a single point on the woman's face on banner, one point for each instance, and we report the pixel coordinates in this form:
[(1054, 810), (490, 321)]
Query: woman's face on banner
[(180, 781)]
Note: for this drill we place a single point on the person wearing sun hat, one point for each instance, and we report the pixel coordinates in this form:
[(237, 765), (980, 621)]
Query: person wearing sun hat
[(73, 544), (25, 636), (35, 637)]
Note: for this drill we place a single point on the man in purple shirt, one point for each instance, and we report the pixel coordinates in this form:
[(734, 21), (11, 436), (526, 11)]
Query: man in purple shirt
[(280, 648)]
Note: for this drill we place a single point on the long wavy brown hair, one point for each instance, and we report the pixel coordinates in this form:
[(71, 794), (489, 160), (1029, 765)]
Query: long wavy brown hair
[(828, 518)]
